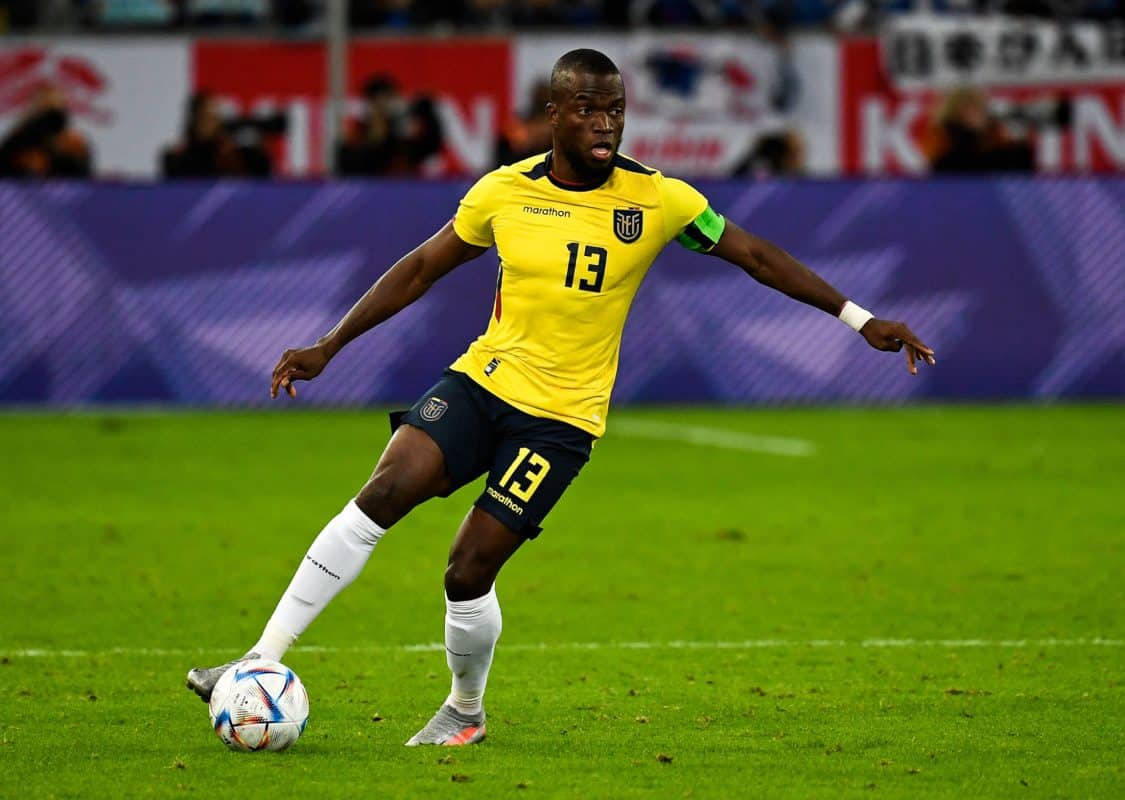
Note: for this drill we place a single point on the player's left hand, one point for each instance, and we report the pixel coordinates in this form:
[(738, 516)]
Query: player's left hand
[(297, 365), (884, 334)]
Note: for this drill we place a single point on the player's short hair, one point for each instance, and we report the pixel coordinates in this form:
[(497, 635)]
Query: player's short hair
[(583, 59)]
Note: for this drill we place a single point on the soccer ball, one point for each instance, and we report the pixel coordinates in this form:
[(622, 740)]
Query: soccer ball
[(259, 704)]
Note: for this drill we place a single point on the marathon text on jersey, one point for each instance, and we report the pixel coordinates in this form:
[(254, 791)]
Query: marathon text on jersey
[(546, 211)]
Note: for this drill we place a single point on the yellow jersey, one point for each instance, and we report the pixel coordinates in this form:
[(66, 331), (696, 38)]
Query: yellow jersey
[(571, 261)]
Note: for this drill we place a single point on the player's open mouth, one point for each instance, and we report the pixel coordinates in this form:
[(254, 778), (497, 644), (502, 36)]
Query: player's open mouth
[(602, 151)]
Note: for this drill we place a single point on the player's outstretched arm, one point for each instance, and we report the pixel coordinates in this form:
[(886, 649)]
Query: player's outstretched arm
[(768, 264), (399, 286)]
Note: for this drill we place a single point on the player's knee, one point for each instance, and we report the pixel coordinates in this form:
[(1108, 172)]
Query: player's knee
[(381, 500), (468, 578)]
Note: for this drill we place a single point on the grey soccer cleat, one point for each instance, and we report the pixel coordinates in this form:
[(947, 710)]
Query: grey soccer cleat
[(451, 728), (202, 680)]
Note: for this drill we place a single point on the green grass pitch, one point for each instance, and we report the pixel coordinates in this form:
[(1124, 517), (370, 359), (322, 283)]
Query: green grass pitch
[(930, 604)]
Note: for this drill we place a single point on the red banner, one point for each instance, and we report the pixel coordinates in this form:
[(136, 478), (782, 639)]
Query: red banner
[(469, 78), (888, 130)]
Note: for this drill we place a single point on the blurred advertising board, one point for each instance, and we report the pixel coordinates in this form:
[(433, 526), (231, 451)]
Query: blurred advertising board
[(697, 103), (924, 51), (1060, 89), (186, 293), (468, 78), (126, 95)]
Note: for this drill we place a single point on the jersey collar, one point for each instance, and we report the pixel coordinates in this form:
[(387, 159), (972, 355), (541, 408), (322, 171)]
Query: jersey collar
[(543, 170)]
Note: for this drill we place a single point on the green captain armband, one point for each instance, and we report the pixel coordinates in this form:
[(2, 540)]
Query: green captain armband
[(703, 233)]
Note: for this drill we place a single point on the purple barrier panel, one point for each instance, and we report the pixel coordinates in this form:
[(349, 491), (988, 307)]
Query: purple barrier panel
[(188, 293)]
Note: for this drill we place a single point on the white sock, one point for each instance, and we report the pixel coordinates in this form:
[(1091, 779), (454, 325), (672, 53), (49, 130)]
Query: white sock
[(332, 562), (471, 630)]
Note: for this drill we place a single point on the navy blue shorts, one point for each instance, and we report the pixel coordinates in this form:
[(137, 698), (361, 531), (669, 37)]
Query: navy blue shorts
[(529, 460)]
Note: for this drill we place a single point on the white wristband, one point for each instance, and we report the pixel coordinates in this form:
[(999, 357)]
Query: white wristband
[(855, 317)]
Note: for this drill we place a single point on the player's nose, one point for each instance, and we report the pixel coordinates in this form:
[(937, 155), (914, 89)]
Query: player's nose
[(603, 123)]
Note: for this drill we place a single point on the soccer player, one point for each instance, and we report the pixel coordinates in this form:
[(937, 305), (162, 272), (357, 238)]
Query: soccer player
[(576, 229)]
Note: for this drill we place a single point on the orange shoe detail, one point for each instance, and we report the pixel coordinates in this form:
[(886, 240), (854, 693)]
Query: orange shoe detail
[(467, 736)]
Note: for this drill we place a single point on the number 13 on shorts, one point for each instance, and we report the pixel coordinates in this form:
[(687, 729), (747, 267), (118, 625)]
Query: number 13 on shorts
[(523, 486)]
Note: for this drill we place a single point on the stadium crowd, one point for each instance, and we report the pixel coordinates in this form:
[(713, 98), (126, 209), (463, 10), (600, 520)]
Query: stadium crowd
[(397, 15)]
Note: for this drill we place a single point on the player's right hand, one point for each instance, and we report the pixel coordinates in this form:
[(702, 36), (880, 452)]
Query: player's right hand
[(297, 365), (883, 334)]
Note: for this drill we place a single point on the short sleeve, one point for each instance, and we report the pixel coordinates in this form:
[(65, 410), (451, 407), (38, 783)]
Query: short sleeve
[(688, 218), (473, 220), (682, 204)]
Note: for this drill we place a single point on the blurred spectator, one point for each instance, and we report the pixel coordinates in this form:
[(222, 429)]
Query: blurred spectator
[(402, 14), (688, 13), (43, 145), (780, 154), (229, 12), (129, 13), (206, 150), (295, 13), (780, 17), (380, 13), (424, 136), (487, 13), (762, 16), (16, 14), (373, 145), (529, 133), (669, 12), (550, 13), (533, 13), (393, 136), (967, 138), (251, 134)]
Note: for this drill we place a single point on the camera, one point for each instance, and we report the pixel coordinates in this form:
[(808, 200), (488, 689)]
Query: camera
[(1044, 112), (273, 123), (250, 133)]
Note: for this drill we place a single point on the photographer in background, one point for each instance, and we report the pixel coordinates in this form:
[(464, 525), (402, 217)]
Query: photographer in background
[(43, 145), (779, 154), (373, 143), (423, 135), (968, 138), (529, 133), (213, 147), (394, 135), (206, 150)]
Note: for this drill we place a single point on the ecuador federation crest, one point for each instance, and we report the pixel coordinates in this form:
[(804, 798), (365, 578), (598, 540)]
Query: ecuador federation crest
[(628, 224), (433, 409)]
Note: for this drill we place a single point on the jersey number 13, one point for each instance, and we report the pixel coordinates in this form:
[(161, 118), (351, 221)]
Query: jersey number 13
[(595, 267)]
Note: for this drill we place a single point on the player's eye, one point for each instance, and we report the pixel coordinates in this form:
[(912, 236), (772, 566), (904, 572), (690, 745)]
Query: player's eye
[(584, 111)]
